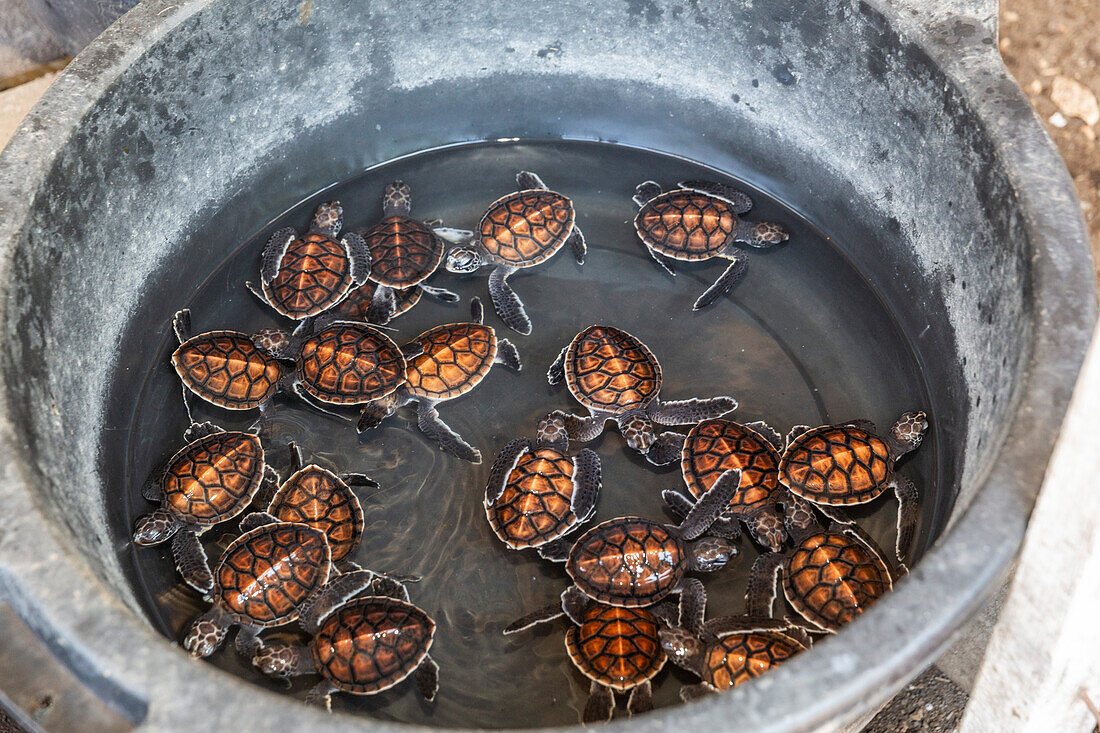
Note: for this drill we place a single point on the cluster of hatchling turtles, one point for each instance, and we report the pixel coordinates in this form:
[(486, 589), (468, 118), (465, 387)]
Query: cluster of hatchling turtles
[(291, 560)]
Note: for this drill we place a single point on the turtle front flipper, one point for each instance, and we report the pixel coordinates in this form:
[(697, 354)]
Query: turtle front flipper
[(577, 245), (541, 616), (737, 199), (321, 695), (760, 593), (690, 693), (586, 484), (508, 355), (429, 422), (555, 550), (440, 294), (505, 461), (770, 434), (427, 678), (248, 642), (689, 412), (693, 604), (711, 505), (601, 704), (191, 561), (383, 306), (315, 609), (574, 603), (908, 517), (506, 303), (681, 506), (197, 431), (641, 699), (725, 282), (668, 448), (274, 252), (256, 519), (794, 434)]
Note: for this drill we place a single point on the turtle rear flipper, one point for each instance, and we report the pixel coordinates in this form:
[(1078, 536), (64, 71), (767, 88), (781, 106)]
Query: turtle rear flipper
[(429, 422), (427, 679), (711, 505), (508, 355), (248, 642), (506, 303), (725, 282), (690, 693), (689, 412), (321, 695), (274, 251), (191, 561), (574, 603), (586, 484), (641, 699), (577, 245), (541, 616), (761, 591), (739, 200), (600, 705), (663, 262), (555, 550), (667, 449), (383, 306), (332, 595)]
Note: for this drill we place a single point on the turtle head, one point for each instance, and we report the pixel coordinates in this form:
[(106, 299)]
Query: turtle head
[(206, 635), (152, 529), (463, 259), (682, 647), (397, 200), (908, 431), (275, 342), (328, 218), (278, 659), (551, 431), (638, 432), (712, 553), (761, 233)]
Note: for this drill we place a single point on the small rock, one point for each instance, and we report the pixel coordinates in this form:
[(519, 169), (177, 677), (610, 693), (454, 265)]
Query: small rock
[(1075, 99), (1011, 16), (1035, 86), (1057, 120)]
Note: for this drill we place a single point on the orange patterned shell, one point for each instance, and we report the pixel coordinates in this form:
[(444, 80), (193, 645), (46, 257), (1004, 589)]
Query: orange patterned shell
[(836, 465), (314, 275), (535, 506), (627, 562), (525, 228), (349, 364), (715, 446), (214, 478), (371, 644), (616, 647), (456, 358), (739, 658), (357, 305), (609, 370), (320, 499), (226, 369), (831, 578), (265, 575), (403, 251), (686, 225)]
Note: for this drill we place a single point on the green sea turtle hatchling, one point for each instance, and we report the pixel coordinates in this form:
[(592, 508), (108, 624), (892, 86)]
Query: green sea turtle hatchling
[(618, 378), (841, 465), (361, 647), (520, 230), (537, 493), (301, 277), (210, 480), (404, 253), (697, 221), (444, 362)]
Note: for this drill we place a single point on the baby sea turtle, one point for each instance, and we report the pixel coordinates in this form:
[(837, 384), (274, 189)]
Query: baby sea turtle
[(303, 276), (537, 494), (631, 561), (362, 647), (724, 652), (617, 377), (444, 362), (404, 253), (211, 480), (697, 221), (520, 230), (830, 576), (840, 465)]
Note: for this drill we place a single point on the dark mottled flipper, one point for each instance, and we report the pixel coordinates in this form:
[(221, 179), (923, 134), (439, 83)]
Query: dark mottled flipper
[(541, 616), (556, 373), (601, 704), (641, 699), (528, 181), (768, 432), (181, 326), (668, 448), (725, 282), (390, 587), (197, 431), (693, 604), (477, 310), (269, 486), (152, 490), (713, 503), (334, 594), (192, 562), (760, 594), (412, 350), (587, 482), (740, 200), (358, 256), (690, 693), (835, 514), (556, 550), (372, 416), (248, 642), (689, 412), (681, 506), (646, 191), (321, 695), (427, 679), (274, 251), (584, 429), (908, 517), (507, 304), (508, 355), (502, 466), (794, 434), (359, 479), (256, 519), (440, 294), (574, 603), (382, 306), (429, 422), (577, 245)]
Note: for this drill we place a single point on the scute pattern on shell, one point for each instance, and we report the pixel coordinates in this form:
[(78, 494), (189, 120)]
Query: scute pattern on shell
[(357, 305), (320, 499), (456, 358), (617, 647), (371, 644), (686, 225), (627, 562), (214, 478), (715, 446), (837, 465), (226, 369), (534, 507), (403, 251), (526, 228), (349, 365), (609, 370), (830, 579), (314, 275), (264, 575), (738, 658)]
